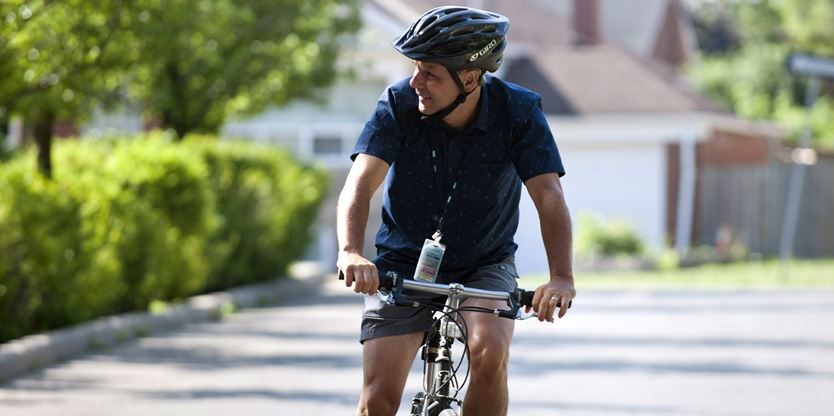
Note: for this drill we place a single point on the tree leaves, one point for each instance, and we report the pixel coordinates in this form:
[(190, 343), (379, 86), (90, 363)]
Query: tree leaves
[(748, 71), (191, 63), (225, 57)]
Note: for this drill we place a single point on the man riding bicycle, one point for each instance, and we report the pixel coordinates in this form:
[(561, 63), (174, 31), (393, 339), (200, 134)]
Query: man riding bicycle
[(453, 145)]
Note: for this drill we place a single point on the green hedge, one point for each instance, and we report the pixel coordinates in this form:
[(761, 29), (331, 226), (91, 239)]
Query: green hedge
[(125, 222), (266, 203), (50, 273)]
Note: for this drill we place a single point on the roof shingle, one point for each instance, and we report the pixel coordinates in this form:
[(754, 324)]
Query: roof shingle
[(604, 79)]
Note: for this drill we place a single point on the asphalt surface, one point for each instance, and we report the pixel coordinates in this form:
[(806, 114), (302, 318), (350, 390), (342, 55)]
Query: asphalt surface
[(768, 352)]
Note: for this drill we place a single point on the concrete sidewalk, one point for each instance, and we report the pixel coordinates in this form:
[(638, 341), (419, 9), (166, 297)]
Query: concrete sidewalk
[(617, 353)]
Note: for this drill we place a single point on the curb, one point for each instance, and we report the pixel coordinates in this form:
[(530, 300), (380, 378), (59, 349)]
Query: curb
[(34, 352)]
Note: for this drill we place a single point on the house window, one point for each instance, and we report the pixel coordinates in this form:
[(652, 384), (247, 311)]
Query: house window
[(327, 145)]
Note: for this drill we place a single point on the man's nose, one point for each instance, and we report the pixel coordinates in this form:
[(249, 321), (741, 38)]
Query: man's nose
[(416, 79)]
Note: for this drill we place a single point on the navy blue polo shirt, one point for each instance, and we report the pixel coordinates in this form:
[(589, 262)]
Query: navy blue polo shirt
[(508, 143)]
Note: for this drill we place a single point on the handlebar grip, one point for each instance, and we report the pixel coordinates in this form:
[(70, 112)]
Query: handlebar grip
[(526, 298), (385, 280)]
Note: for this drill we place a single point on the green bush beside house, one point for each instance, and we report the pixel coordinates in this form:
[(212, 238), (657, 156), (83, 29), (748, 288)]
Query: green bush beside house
[(126, 222), (598, 239)]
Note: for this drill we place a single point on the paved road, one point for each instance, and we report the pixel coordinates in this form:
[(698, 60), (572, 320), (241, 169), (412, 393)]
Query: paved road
[(617, 353)]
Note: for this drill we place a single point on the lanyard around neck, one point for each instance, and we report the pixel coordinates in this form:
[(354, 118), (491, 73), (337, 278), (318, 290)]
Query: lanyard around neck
[(454, 175)]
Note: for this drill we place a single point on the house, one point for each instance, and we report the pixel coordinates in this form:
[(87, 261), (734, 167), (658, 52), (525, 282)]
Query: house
[(632, 134)]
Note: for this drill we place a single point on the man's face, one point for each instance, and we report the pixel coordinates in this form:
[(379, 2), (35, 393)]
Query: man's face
[(434, 86)]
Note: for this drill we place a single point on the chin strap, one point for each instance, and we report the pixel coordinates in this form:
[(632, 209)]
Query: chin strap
[(439, 115)]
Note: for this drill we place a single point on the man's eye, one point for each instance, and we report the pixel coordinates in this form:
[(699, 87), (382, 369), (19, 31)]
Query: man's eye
[(429, 75)]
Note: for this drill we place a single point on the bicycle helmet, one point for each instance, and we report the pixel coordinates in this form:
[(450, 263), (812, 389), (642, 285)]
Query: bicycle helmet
[(457, 38)]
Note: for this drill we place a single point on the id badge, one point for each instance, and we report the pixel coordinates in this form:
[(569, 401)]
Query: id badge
[(428, 266)]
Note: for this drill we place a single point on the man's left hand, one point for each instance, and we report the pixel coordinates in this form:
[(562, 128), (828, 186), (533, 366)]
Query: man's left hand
[(557, 293)]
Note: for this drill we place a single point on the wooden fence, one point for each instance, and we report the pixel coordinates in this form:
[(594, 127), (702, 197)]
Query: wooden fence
[(751, 201)]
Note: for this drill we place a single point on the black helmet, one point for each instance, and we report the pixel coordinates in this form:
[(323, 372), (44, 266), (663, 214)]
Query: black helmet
[(457, 38)]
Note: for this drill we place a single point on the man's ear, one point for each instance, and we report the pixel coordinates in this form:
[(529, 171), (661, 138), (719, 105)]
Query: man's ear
[(471, 78)]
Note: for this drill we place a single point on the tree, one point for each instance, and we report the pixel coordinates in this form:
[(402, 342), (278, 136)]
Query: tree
[(750, 76), (191, 63), (204, 60), (59, 59)]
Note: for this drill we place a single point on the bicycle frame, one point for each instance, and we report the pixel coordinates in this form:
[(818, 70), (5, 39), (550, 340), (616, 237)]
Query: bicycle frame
[(439, 383)]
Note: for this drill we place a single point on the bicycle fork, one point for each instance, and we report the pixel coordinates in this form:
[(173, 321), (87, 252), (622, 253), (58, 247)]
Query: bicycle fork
[(437, 379), (438, 375)]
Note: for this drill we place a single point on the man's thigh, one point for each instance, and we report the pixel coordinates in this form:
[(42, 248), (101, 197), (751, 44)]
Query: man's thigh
[(386, 361), (485, 330), (488, 331)]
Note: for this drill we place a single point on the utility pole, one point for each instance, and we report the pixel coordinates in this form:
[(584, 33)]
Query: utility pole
[(816, 69)]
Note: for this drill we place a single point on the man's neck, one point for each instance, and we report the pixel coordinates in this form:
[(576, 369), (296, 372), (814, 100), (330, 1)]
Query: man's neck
[(466, 112)]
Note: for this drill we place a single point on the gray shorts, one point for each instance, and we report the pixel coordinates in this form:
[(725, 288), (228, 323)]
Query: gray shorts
[(380, 319)]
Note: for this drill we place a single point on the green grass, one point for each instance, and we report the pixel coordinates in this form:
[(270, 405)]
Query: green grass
[(766, 274)]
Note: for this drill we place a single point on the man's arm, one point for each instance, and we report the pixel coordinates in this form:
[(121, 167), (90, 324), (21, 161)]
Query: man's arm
[(547, 195), (353, 206)]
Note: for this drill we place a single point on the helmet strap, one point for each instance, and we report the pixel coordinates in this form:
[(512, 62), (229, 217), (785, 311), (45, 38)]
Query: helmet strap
[(440, 115)]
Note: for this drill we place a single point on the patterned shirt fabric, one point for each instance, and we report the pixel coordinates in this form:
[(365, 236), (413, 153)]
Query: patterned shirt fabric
[(508, 143)]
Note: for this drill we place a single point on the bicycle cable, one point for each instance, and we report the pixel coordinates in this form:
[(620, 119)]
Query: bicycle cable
[(463, 327), (476, 309), (465, 330), (464, 356)]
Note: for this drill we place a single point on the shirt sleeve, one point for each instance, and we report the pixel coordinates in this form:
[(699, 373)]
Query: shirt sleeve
[(382, 135), (534, 151)]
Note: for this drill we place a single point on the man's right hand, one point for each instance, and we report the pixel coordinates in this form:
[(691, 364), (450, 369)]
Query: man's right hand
[(359, 270)]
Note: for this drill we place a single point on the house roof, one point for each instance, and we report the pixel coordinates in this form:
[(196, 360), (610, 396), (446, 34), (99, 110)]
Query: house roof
[(572, 79), (602, 79)]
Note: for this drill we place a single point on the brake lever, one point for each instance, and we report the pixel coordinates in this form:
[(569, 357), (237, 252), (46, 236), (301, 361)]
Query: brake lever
[(522, 315), (386, 296)]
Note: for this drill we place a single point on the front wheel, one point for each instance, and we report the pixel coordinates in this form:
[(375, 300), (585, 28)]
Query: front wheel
[(448, 412)]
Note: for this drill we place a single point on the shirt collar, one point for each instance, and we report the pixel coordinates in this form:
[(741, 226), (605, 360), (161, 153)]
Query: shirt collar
[(482, 120)]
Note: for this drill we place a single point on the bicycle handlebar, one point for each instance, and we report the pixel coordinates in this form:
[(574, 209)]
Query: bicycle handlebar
[(518, 298), (525, 297)]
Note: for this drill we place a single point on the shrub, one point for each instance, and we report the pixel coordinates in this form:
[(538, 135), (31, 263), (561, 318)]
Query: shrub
[(168, 215), (266, 203), (614, 238), (52, 271), (125, 223)]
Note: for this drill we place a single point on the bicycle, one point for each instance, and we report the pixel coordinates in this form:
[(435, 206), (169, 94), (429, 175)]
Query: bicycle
[(440, 381)]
